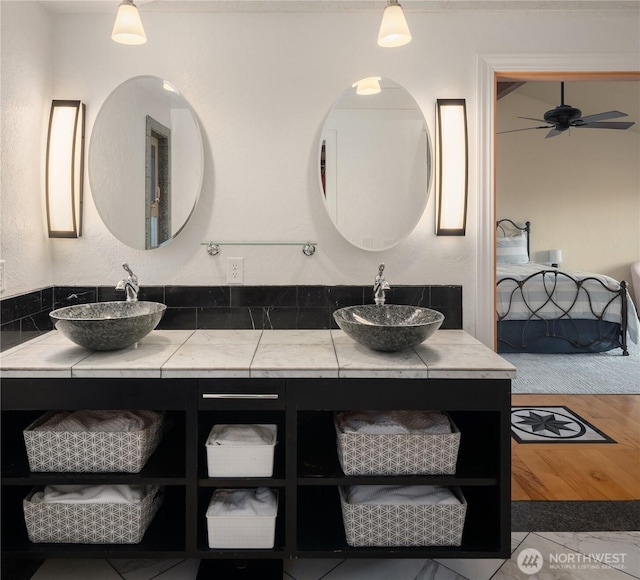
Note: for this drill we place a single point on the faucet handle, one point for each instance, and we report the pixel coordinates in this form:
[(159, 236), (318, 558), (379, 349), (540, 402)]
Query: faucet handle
[(380, 268), (129, 271)]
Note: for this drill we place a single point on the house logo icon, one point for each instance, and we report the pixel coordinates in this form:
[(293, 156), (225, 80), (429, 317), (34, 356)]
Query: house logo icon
[(530, 561)]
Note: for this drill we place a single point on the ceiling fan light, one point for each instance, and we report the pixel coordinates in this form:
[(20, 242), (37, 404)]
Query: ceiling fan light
[(394, 30), (127, 28)]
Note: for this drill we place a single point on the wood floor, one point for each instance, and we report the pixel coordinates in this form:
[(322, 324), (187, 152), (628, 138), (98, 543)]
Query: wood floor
[(582, 471)]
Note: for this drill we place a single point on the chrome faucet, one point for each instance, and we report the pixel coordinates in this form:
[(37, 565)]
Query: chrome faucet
[(379, 286), (129, 284)]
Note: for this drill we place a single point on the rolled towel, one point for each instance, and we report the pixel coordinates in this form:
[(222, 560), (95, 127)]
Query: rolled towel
[(97, 420), (84, 494), (242, 435), (400, 495), (260, 502), (393, 422)]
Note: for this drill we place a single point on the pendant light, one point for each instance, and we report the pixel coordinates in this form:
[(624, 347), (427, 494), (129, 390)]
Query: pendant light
[(127, 28), (393, 29)]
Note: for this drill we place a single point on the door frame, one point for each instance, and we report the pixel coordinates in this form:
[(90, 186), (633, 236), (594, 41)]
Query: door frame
[(490, 67)]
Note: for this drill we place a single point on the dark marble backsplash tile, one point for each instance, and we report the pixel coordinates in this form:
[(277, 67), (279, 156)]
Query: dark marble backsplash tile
[(265, 296), (70, 295), (229, 307), (197, 296)]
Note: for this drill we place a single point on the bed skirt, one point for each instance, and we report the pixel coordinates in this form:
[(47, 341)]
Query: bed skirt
[(558, 336)]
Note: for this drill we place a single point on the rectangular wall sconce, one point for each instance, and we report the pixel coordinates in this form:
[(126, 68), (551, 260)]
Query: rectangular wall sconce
[(65, 169), (453, 167)]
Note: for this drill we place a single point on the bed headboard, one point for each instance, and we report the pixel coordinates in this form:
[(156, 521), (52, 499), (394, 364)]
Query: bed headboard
[(506, 227)]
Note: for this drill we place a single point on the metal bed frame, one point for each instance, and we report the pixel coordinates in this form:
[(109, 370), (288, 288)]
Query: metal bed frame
[(564, 327)]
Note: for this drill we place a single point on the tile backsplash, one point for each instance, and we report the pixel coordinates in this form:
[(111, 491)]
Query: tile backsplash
[(242, 307)]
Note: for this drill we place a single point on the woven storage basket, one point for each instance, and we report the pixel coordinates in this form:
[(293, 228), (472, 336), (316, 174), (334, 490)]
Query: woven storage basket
[(404, 525), (240, 460), (404, 454), (89, 451), (98, 523), (241, 531)]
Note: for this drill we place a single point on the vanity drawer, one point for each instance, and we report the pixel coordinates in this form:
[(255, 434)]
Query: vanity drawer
[(241, 394)]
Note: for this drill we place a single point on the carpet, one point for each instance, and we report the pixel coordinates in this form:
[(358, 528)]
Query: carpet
[(579, 374), (553, 424)]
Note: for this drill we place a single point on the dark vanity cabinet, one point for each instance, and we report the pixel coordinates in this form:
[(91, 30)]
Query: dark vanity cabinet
[(306, 473)]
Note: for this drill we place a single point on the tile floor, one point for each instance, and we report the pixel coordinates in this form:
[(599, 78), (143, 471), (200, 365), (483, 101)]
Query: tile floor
[(563, 555)]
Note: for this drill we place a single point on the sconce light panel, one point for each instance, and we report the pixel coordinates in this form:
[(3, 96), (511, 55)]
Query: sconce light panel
[(65, 169), (453, 167)]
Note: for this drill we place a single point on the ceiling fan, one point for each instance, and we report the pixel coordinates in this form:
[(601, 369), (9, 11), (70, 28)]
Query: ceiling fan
[(564, 117)]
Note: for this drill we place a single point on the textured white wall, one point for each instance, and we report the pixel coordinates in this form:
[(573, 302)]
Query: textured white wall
[(25, 98), (261, 85)]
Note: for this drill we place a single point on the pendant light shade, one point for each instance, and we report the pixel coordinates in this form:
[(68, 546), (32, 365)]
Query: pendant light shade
[(393, 29), (127, 28), (367, 86)]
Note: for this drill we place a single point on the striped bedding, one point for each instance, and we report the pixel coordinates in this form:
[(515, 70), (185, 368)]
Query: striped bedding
[(551, 297)]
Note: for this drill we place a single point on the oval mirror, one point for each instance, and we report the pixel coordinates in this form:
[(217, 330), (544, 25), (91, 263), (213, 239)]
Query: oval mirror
[(375, 164), (145, 162)]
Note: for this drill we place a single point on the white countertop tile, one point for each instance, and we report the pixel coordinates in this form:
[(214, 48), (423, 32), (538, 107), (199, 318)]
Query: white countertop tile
[(256, 353), (296, 337), (43, 360), (165, 337), (226, 360), (447, 361), (224, 337), (53, 337), (357, 361), (295, 360), (142, 360)]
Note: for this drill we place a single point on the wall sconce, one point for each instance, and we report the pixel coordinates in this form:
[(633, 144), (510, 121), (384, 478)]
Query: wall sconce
[(555, 258), (127, 28), (452, 167), (65, 169), (367, 86), (393, 28)]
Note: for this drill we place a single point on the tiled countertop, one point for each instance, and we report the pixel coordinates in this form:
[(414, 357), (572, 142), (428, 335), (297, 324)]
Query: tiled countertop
[(256, 354)]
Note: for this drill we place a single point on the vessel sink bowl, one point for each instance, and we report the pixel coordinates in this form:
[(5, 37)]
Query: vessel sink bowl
[(388, 327), (107, 325)]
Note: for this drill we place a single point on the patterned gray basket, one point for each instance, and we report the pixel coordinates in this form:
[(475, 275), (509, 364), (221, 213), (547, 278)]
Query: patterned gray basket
[(98, 523), (404, 525), (89, 451), (384, 454)]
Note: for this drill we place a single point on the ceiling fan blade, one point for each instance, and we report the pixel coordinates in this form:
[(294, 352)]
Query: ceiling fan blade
[(607, 125), (532, 119), (602, 116), (553, 133), (525, 129)]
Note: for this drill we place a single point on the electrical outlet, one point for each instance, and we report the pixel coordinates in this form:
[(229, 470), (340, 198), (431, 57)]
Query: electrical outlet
[(1, 275), (235, 270)]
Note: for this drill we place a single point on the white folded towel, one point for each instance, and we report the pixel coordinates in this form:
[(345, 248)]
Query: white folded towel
[(242, 435), (105, 421), (400, 495), (91, 494), (393, 422), (260, 502)]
